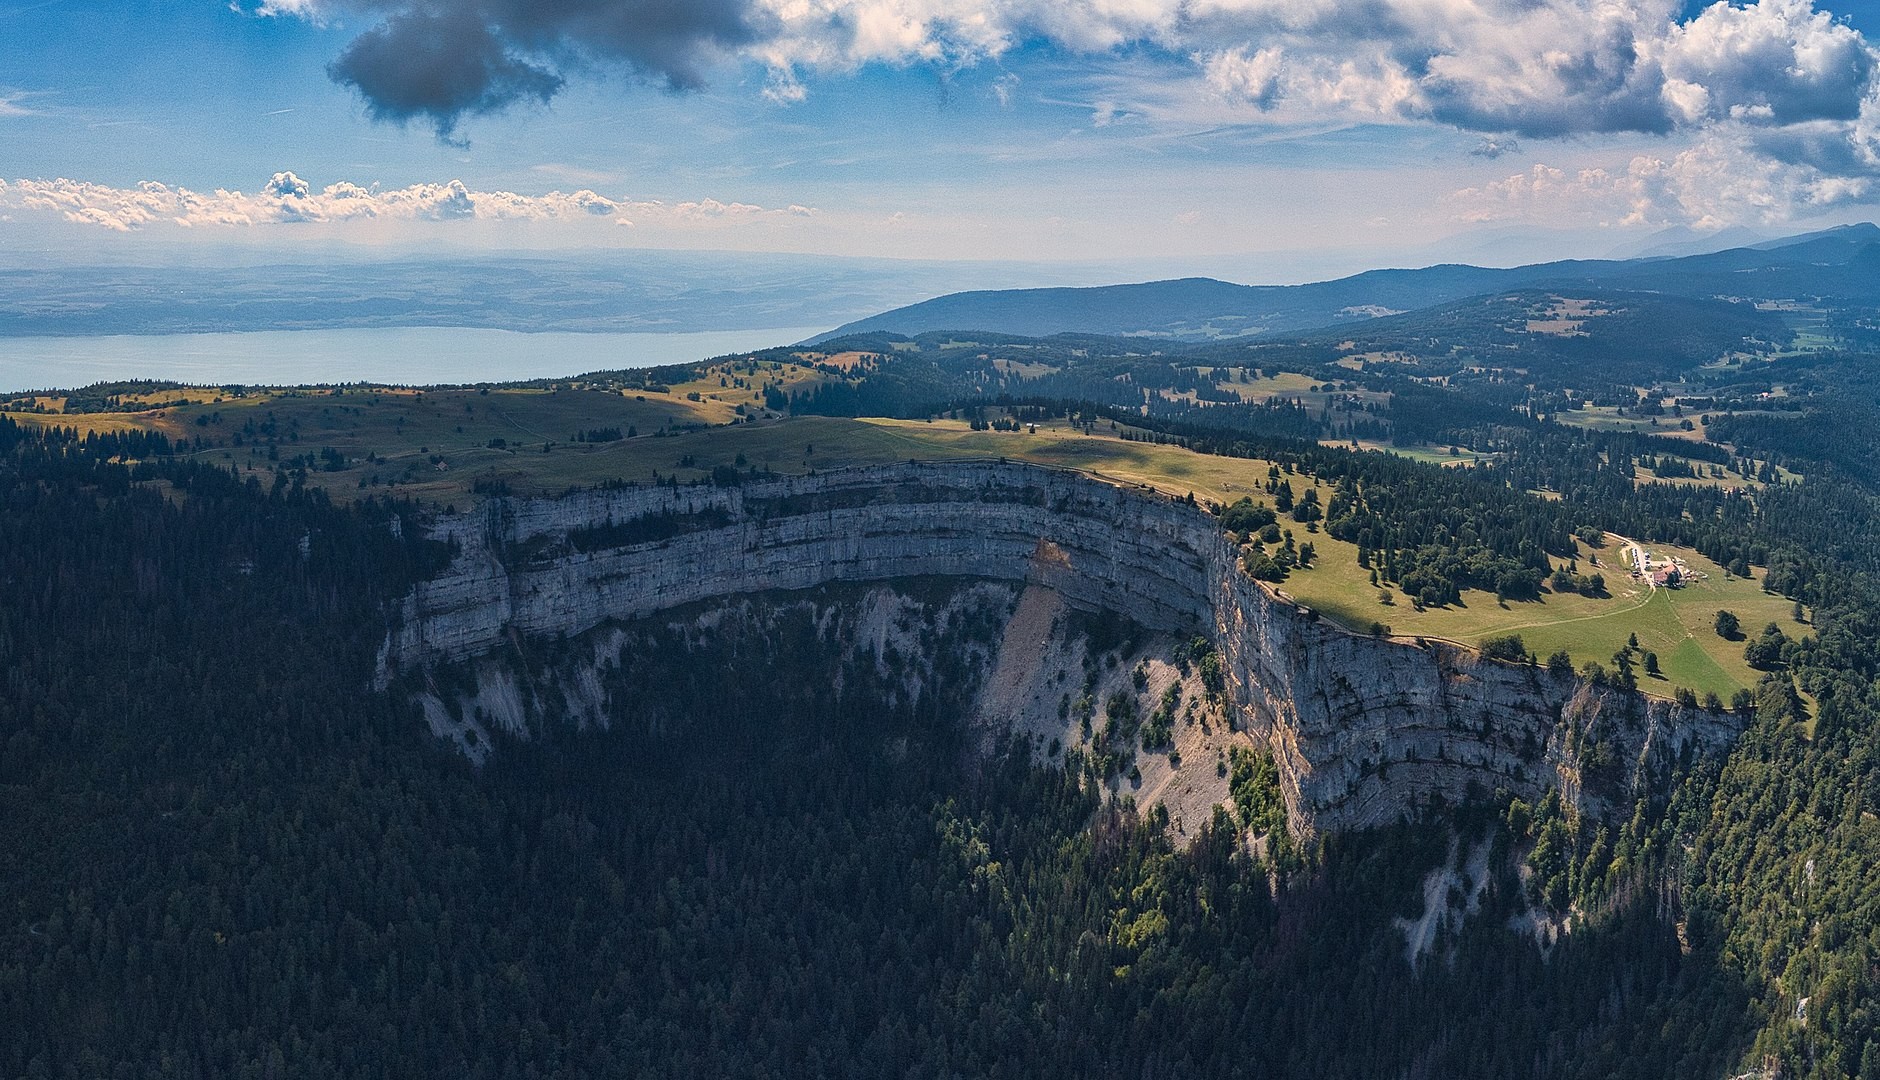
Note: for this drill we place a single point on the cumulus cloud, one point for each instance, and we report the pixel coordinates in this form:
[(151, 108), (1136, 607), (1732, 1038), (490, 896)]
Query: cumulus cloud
[(286, 185), (1544, 68), (1783, 103), (1253, 78), (1538, 68), (1779, 80), (1716, 183), (286, 199), (1777, 62)]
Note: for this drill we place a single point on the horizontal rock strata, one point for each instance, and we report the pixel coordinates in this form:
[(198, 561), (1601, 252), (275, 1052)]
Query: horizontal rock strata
[(1365, 729)]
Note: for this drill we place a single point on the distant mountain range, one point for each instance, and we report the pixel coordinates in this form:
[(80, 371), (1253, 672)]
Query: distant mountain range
[(1840, 264)]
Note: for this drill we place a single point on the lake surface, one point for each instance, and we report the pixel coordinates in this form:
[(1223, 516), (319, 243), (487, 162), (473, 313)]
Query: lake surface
[(408, 355)]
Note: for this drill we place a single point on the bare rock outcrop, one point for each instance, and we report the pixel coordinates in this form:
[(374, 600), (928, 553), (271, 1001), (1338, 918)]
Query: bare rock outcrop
[(1365, 729)]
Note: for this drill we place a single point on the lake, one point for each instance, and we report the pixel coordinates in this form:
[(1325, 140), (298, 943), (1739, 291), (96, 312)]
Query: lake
[(409, 355)]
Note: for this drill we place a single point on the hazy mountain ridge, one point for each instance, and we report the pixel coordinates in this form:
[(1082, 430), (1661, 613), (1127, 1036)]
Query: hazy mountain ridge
[(1836, 263)]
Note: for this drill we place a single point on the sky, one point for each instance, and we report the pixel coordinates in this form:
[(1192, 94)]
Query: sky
[(1261, 140)]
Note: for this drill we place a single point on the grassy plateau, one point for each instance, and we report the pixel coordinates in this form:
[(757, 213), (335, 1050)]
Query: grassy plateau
[(442, 447)]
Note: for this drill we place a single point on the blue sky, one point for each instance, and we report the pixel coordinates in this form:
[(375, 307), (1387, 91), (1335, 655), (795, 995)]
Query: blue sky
[(1258, 139)]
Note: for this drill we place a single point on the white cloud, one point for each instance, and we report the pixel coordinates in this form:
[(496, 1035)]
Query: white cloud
[(1540, 67), (1253, 78), (1803, 81), (712, 208), (306, 9), (286, 199), (1776, 62), (1003, 89), (784, 88), (1791, 91), (1714, 184), (1535, 68)]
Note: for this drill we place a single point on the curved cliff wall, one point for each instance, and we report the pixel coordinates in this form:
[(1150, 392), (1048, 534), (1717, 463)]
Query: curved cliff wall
[(521, 563), (1364, 729)]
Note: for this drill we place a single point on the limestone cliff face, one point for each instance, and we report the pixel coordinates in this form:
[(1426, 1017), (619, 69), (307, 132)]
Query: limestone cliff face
[(1365, 729)]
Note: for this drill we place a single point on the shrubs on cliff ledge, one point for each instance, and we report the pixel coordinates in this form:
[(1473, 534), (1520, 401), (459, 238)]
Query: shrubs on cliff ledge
[(1245, 517), (1262, 567), (1509, 647)]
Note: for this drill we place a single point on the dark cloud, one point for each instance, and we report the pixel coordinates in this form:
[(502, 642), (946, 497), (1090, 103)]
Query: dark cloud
[(441, 60), (438, 66), (1824, 146), (1597, 84)]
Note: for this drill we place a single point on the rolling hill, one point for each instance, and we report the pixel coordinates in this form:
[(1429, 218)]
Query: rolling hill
[(1836, 265)]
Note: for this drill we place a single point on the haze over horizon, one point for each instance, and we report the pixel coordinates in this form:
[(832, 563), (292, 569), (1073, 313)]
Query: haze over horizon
[(1251, 140)]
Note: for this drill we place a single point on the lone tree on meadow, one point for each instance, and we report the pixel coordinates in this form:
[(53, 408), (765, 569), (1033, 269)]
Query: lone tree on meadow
[(1728, 628)]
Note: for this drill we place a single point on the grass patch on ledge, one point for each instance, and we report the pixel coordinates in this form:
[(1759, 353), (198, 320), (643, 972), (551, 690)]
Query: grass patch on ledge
[(1677, 624)]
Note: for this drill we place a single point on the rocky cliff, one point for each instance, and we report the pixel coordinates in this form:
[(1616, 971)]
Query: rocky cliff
[(1364, 729)]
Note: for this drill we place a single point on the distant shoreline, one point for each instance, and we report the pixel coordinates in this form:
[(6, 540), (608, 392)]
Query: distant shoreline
[(414, 355)]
